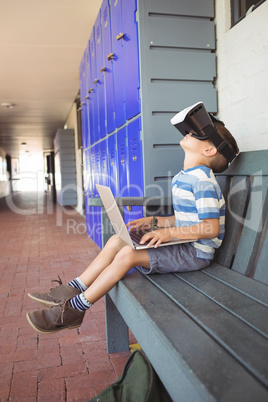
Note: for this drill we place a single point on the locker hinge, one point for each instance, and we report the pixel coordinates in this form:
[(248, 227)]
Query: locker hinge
[(120, 36)]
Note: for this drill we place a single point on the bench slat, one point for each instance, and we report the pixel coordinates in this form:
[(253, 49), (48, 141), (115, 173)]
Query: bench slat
[(254, 223), (171, 339), (246, 309), (261, 272), (227, 329), (235, 210), (251, 288), (249, 163)]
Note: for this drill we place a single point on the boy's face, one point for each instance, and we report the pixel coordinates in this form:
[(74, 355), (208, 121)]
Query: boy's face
[(193, 145)]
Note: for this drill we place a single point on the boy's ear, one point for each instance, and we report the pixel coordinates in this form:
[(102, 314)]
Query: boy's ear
[(210, 150)]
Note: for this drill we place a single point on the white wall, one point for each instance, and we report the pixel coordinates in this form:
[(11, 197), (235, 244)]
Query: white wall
[(242, 77), (71, 122), (4, 176)]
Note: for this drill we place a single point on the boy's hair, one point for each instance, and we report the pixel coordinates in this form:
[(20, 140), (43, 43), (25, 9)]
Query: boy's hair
[(218, 163)]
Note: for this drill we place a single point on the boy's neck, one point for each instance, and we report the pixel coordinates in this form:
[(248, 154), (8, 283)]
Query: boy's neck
[(190, 162)]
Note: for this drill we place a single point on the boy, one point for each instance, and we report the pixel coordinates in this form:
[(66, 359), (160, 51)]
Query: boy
[(199, 215)]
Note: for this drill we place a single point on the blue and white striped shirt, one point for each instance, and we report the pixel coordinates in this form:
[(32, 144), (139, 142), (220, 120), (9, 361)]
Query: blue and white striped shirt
[(197, 196)]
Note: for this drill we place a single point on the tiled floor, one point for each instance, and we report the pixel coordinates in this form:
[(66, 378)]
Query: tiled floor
[(39, 241)]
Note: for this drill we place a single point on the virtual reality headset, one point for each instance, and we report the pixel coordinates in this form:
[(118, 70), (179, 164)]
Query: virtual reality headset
[(197, 121)]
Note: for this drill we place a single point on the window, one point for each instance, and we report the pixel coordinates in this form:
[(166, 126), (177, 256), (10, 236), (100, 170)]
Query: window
[(239, 8)]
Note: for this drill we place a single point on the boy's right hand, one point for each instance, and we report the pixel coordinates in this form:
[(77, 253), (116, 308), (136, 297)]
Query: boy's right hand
[(142, 223)]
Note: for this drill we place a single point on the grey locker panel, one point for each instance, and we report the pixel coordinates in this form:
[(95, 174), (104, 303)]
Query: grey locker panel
[(180, 32), (65, 167), (161, 131), (177, 95), (200, 8), (183, 64), (164, 164)]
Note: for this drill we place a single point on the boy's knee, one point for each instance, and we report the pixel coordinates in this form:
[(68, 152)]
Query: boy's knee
[(125, 254)]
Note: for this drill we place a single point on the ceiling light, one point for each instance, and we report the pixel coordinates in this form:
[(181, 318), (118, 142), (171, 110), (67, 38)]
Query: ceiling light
[(7, 105)]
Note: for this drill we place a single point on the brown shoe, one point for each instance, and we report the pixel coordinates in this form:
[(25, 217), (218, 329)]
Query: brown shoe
[(55, 295), (56, 318)]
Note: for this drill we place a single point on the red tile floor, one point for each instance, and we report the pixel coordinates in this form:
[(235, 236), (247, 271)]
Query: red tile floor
[(38, 242)]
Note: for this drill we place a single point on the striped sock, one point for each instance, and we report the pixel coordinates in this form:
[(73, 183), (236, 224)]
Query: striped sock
[(80, 303), (78, 284)]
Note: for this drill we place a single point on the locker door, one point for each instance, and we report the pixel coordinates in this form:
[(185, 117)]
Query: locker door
[(93, 172), (87, 171), (113, 165), (93, 89), (108, 65), (97, 174), (118, 62), (131, 58), (104, 163), (122, 162), (90, 94), (100, 77), (136, 188), (82, 78)]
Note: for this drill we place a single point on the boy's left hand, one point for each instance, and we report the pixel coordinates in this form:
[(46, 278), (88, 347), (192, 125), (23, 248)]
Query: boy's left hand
[(156, 237)]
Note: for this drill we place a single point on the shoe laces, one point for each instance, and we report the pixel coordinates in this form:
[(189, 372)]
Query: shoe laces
[(59, 281), (63, 306)]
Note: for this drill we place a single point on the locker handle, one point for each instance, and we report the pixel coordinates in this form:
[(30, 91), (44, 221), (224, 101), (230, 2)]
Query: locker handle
[(110, 56), (134, 158), (90, 90), (120, 36), (82, 104), (102, 69), (122, 161), (95, 81), (87, 97)]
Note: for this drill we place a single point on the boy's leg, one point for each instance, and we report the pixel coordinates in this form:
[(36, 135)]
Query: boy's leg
[(67, 314), (103, 260), (124, 260), (66, 292)]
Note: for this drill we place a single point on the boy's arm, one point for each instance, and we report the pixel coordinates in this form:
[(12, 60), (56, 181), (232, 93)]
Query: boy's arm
[(207, 229)]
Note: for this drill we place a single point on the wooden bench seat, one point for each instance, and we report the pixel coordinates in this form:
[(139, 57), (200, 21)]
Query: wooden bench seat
[(206, 332)]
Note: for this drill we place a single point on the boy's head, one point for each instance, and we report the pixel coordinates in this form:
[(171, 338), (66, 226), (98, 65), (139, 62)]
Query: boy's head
[(209, 136)]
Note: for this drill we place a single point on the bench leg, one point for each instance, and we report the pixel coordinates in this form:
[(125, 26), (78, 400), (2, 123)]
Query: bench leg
[(116, 328)]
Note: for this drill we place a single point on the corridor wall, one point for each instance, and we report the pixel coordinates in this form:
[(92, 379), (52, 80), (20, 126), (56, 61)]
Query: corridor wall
[(145, 61)]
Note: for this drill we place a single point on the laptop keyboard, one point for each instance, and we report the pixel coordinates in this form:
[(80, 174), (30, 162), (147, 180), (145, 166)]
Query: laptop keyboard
[(136, 235)]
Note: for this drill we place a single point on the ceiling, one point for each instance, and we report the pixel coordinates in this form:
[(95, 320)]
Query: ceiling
[(41, 46)]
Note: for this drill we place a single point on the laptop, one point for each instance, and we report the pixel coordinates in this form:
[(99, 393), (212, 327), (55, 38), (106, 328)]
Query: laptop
[(132, 238)]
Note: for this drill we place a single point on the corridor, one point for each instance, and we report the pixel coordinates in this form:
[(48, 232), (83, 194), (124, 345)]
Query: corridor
[(38, 242)]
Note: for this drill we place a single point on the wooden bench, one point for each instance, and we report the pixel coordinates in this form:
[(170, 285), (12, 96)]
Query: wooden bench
[(206, 332)]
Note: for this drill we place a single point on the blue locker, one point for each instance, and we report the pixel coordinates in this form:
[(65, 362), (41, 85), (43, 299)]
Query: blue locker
[(93, 171), (90, 222), (118, 62), (93, 89), (104, 163), (131, 58), (90, 94), (123, 173), (100, 77), (108, 65), (97, 227), (82, 78), (97, 173), (135, 163), (86, 170), (113, 165)]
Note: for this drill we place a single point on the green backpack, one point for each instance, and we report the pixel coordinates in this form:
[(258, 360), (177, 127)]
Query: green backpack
[(138, 383)]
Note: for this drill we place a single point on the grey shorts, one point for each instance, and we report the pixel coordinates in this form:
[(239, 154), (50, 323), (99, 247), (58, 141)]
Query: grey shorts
[(176, 258)]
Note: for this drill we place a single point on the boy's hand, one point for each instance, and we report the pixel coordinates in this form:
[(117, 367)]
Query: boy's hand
[(156, 237), (143, 223)]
